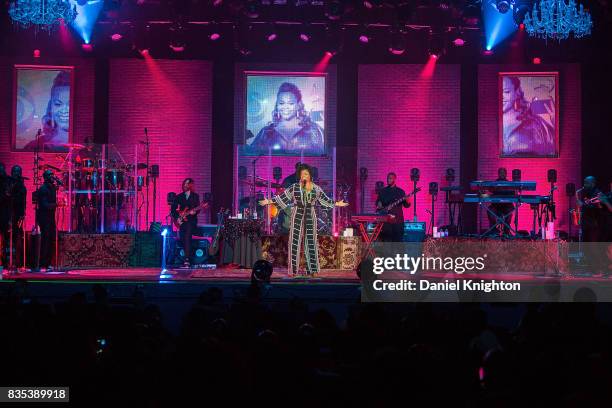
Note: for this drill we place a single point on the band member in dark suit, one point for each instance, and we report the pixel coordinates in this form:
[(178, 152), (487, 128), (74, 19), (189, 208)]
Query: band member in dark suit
[(4, 211), (45, 218), (502, 209), (588, 199), (18, 195), (186, 200), (392, 231)]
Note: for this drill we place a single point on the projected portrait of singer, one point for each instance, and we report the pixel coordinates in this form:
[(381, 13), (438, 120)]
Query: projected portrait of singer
[(528, 123), (291, 128), (42, 103)]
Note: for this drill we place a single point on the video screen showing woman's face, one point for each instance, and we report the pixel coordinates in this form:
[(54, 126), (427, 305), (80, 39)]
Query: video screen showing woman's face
[(42, 109), (529, 110), (285, 115)]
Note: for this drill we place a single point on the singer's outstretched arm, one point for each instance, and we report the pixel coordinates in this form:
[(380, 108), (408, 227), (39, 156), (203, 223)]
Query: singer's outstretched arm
[(284, 199)]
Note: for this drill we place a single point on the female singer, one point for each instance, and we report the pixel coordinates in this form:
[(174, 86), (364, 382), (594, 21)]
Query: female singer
[(302, 196)]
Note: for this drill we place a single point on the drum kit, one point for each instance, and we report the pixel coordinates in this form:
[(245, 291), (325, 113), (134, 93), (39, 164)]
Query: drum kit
[(279, 218), (94, 178)]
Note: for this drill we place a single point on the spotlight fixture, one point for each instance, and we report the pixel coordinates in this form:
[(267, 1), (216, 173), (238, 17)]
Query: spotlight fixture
[(397, 46), (503, 6), (116, 31), (458, 42), (370, 4), (334, 10), (87, 47), (251, 9), (36, 53), (262, 271), (334, 39), (177, 38), (537, 60), (436, 45), (518, 13), (215, 32), (271, 33), (305, 32), (364, 35), (242, 39)]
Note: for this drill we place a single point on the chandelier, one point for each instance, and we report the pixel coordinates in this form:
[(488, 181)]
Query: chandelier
[(43, 14), (556, 19)]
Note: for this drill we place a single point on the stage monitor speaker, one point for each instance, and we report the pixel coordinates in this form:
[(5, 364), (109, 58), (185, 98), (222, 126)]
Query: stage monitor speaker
[(199, 252), (147, 249), (552, 176), (155, 170), (414, 231)]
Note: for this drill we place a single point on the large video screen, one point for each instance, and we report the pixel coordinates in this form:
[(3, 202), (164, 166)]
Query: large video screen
[(42, 111), (529, 114), (285, 113)]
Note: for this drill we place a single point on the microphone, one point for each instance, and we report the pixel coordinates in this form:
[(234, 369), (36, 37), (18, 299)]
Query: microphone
[(303, 181), (57, 180)]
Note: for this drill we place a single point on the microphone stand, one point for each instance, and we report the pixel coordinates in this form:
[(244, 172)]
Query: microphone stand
[(252, 204), (36, 229), (147, 143)]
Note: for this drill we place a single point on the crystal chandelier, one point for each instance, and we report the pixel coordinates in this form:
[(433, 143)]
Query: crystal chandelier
[(556, 19), (43, 14)]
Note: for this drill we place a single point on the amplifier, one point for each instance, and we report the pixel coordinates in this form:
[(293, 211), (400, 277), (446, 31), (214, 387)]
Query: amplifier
[(414, 231)]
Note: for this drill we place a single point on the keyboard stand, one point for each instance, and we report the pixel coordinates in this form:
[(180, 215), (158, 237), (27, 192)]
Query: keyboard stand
[(369, 239), (500, 221)]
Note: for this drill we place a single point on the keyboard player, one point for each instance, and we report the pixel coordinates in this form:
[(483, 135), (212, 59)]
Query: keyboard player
[(504, 210)]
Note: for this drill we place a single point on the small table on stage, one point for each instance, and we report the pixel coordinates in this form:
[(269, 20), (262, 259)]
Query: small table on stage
[(379, 221), (241, 242)]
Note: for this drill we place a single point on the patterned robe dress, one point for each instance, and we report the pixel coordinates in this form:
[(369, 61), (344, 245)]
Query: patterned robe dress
[(303, 224)]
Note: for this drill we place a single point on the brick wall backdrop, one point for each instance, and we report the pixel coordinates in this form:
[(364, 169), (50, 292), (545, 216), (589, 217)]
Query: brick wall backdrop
[(569, 161), (287, 163), (407, 120), (83, 111), (173, 99)]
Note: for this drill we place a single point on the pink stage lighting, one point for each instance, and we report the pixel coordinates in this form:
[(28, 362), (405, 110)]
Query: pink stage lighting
[(214, 36), (36, 54), (116, 37), (87, 47), (537, 60)]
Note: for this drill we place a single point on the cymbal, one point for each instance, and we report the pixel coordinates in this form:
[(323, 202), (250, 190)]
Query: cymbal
[(72, 145), (48, 166), (260, 182)]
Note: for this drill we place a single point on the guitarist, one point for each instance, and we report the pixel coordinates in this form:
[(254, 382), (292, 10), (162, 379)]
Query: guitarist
[(187, 200), (392, 231)]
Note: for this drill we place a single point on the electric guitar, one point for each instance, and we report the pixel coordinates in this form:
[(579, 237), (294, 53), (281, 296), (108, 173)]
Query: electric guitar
[(214, 247), (389, 207), (183, 214)]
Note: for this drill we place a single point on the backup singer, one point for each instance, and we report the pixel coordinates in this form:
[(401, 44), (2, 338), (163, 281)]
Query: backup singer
[(302, 197), (186, 200), (392, 231), (45, 217)]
